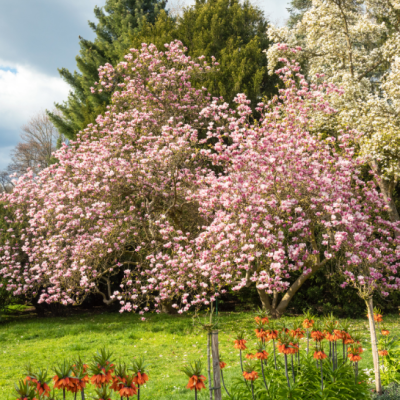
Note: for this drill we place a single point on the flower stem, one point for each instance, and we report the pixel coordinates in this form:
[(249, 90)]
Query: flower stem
[(252, 389), (273, 341), (308, 341), (294, 379), (356, 371), (138, 392), (241, 361), (344, 350), (83, 394), (64, 393), (223, 382), (322, 377), (195, 394), (262, 370), (286, 371)]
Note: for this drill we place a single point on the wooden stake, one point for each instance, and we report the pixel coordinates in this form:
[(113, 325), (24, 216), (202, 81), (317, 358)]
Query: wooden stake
[(374, 345), (216, 368)]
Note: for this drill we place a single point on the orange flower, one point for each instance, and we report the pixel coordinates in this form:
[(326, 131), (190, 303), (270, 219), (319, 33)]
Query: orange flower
[(317, 336), (100, 379), (354, 357), (385, 332), (250, 376), (331, 337), (348, 339), (294, 348), (261, 320), (262, 355), (62, 383), (272, 334), (308, 323), (42, 388), (240, 344), (298, 333), (377, 317), (74, 385), (261, 334), (196, 382), (250, 356), (140, 379), (287, 350), (118, 383), (320, 355), (222, 365), (338, 333), (128, 391), (383, 353)]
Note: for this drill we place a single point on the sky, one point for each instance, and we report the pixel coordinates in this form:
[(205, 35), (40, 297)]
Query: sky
[(36, 38)]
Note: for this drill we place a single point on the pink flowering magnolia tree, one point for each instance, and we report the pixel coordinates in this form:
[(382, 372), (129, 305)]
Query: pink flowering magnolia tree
[(283, 204), (75, 227)]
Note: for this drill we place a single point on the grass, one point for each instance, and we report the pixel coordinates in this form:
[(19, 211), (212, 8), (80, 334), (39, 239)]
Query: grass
[(167, 342)]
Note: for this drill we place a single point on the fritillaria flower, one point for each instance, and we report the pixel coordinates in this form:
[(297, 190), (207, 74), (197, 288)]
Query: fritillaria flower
[(196, 379), (320, 355)]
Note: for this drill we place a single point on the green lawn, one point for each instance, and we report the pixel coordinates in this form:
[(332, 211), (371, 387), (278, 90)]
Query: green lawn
[(166, 341)]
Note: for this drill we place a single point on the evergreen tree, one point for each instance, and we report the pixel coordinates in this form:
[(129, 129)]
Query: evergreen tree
[(233, 32), (118, 23)]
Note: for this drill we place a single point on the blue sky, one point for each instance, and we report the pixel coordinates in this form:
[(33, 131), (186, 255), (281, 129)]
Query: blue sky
[(36, 38)]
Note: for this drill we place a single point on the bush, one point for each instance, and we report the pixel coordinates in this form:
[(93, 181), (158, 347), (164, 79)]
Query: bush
[(391, 392), (339, 384)]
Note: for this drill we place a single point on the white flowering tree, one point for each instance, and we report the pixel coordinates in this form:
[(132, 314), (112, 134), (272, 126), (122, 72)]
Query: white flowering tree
[(356, 46)]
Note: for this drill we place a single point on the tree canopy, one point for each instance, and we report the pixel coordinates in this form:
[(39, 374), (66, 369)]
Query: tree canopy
[(118, 23), (233, 32)]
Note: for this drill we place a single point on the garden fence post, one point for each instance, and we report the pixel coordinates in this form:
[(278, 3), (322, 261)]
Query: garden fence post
[(216, 367)]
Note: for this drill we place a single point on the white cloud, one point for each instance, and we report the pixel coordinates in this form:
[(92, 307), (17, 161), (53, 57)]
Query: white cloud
[(25, 92)]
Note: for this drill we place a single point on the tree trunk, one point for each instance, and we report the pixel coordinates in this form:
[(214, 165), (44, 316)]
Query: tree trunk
[(166, 307), (266, 303), (386, 188), (374, 345), (277, 310)]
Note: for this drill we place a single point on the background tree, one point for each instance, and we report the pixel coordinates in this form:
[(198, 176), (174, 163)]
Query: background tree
[(347, 42), (38, 140), (233, 32), (6, 184), (119, 21)]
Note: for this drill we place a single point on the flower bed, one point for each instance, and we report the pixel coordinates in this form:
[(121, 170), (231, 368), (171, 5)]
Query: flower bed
[(309, 358)]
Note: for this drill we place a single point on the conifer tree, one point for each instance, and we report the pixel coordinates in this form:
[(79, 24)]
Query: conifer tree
[(233, 32), (118, 23)]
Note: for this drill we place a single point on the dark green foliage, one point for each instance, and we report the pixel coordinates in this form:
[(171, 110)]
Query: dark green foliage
[(391, 392), (339, 384), (231, 31), (117, 25)]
